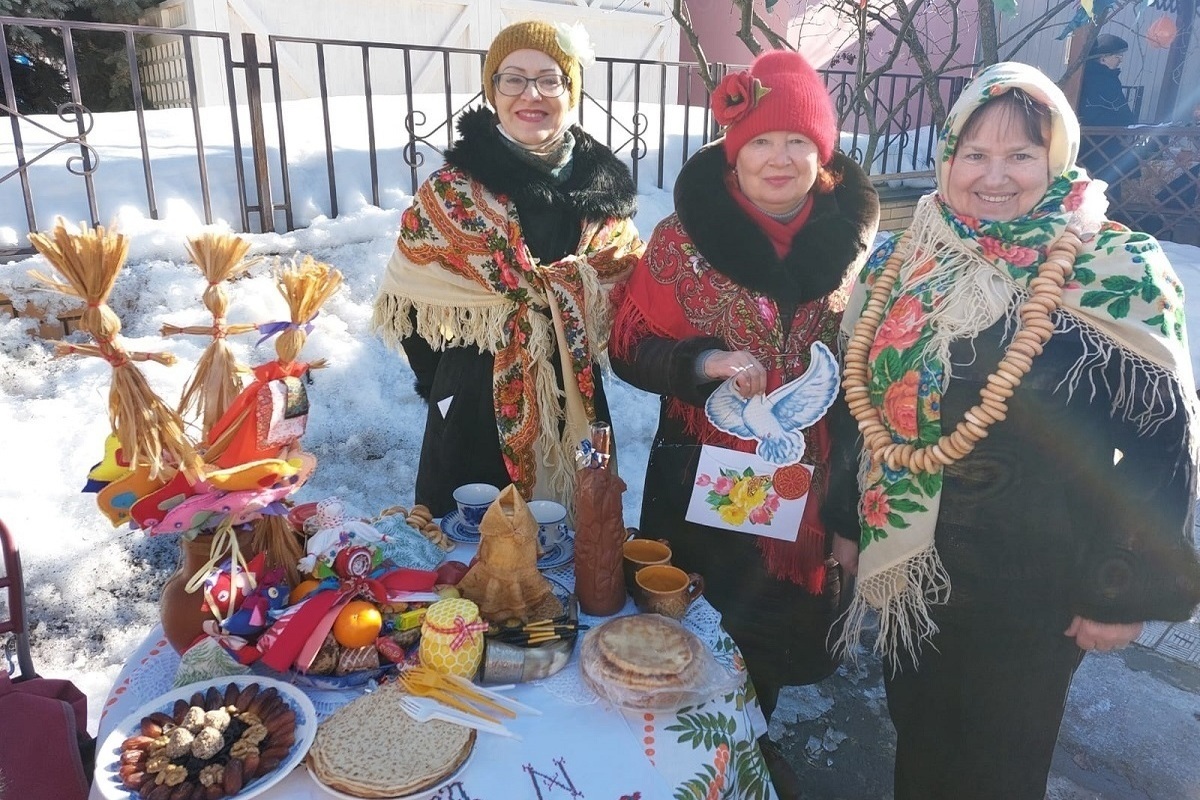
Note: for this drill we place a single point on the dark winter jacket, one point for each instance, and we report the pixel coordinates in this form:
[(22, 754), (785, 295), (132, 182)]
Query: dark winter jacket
[(464, 446), (1101, 98)]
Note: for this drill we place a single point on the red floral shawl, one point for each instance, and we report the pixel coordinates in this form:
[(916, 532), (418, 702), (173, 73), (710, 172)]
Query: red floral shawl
[(675, 293)]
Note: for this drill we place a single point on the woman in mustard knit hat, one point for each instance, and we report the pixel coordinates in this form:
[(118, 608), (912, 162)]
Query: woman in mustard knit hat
[(742, 284), (497, 292)]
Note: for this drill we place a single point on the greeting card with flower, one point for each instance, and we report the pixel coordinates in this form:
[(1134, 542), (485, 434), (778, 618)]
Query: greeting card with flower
[(741, 492)]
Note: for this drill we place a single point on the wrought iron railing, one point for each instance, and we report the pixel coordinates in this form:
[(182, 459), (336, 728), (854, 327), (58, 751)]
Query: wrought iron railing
[(387, 114)]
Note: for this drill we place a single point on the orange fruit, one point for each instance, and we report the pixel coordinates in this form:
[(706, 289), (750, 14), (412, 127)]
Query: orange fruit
[(791, 482), (358, 624), (302, 589)]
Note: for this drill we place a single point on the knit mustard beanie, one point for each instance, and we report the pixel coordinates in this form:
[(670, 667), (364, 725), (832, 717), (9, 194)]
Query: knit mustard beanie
[(532, 35)]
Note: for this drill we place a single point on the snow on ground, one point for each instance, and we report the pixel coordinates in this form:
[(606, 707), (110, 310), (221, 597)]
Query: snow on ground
[(92, 589)]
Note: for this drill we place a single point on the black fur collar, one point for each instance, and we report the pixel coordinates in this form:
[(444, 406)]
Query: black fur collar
[(599, 186), (838, 232)]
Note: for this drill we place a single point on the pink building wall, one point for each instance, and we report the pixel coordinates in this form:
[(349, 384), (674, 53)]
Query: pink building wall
[(817, 34)]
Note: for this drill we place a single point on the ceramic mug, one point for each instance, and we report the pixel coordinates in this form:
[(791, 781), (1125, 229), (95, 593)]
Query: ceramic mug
[(668, 590), (641, 553), (552, 522), (473, 500)]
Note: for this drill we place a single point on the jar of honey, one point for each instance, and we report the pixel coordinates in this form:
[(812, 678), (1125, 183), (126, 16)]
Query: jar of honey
[(452, 637)]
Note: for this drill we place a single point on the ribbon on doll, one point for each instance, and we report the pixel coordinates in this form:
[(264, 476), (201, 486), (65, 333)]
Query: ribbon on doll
[(224, 545), (269, 329), (463, 631)]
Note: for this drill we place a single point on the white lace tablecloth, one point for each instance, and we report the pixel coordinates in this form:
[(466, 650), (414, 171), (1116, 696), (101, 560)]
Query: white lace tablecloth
[(580, 747)]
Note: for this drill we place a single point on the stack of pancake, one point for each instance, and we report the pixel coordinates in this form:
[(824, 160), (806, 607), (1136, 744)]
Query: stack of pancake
[(643, 661), (372, 749)]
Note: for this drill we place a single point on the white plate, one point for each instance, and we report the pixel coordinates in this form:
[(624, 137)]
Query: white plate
[(559, 553), (452, 525), (423, 794), (109, 753)]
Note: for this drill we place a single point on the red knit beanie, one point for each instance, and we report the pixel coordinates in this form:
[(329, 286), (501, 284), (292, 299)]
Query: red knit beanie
[(780, 92)]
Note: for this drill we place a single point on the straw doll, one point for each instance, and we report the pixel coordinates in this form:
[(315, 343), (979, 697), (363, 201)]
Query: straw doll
[(216, 381), (268, 418), (150, 433)]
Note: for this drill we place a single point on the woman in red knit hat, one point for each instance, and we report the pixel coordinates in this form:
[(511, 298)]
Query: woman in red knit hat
[(751, 270)]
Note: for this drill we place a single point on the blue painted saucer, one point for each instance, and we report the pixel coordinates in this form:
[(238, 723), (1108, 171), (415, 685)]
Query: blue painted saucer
[(453, 526), (559, 553)]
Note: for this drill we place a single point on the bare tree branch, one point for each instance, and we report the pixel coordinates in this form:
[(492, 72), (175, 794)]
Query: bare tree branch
[(776, 41), (683, 16), (1033, 28), (745, 32), (988, 39)]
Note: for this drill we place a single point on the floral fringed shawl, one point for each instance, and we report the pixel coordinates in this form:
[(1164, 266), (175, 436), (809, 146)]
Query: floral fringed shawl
[(958, 277), (681, 296), (462, 263)]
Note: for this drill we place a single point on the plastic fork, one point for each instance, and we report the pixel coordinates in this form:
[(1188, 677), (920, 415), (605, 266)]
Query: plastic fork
[(423, 709)]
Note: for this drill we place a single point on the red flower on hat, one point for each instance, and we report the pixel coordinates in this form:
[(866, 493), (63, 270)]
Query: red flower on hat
[(735, 96)]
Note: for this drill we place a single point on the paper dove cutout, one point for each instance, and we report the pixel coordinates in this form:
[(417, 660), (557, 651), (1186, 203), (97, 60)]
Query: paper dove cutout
[(776, 420)]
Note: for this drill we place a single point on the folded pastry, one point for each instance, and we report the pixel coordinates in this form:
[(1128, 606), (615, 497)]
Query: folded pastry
[(505, 582)]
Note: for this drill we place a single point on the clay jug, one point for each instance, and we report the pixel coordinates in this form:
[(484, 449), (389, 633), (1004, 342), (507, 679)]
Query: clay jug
[(180, 610), (599, 537)]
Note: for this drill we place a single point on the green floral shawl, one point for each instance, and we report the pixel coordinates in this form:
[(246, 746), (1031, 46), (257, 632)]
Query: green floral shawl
[(959, 276)]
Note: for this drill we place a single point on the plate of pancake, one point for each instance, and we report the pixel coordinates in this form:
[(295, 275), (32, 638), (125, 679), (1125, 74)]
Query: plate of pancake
[(371, 748)]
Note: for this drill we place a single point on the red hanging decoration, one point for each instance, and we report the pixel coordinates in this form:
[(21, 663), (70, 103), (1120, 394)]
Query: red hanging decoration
[(1162, 32)]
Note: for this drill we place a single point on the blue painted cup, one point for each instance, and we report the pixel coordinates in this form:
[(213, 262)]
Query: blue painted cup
[(552, 522), (473, 500)]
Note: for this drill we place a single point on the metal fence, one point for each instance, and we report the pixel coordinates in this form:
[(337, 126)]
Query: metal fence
[(256, 159), (1153, 174)]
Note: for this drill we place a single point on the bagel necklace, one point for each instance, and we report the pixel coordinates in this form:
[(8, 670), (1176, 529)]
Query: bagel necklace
[(1036, 327)]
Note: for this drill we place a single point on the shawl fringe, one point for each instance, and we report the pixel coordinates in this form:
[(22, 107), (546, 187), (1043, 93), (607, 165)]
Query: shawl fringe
[(901, 596)]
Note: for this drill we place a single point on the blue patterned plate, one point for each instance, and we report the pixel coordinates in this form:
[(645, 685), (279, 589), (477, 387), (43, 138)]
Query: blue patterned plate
[(108, 782), (561, 552), (453, 526)]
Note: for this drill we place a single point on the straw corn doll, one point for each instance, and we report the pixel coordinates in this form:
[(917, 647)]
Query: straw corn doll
[(1018, 368), (497, 292)]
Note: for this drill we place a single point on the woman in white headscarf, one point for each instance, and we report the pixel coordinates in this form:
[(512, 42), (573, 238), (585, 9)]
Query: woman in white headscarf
[(1019, 371)]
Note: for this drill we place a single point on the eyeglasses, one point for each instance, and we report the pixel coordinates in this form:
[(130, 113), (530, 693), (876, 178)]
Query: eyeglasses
[(511, 84)]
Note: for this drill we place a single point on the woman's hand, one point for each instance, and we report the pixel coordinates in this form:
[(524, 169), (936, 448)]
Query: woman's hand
[(1102, 636), (749, 376), (846, 553)]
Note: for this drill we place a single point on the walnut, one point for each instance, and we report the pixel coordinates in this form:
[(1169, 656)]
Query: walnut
[(193, 720), (255, 733), (218, 719), (207, 743), (158, 763), (212, 775), (173, 775), (179, 741), (242, 748)]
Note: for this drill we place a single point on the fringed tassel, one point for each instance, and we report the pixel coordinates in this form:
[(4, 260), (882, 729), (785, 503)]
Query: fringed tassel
[(629, 327), (801, 562), (901, 595)]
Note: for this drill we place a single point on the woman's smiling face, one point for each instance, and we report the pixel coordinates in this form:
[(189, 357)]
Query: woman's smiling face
[(530, 117), (998, 172)]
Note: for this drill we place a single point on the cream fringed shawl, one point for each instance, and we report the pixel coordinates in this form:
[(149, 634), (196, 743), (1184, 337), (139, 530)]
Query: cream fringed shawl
[(461, 262), (955, 282)]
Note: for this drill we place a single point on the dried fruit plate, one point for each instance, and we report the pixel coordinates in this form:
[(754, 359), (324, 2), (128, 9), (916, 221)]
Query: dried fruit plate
[(108, 781)]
